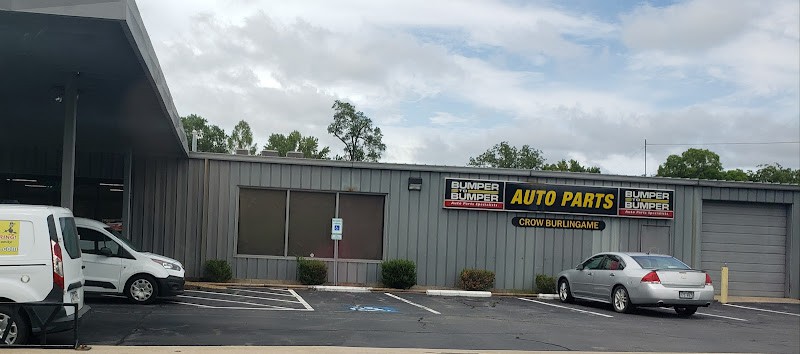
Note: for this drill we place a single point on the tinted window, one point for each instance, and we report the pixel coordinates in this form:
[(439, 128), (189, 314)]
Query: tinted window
[(363, 226), (262, 222), (71, 239), (613, 263), (92, 241), (310, 215), (660, 262), (594, 262)]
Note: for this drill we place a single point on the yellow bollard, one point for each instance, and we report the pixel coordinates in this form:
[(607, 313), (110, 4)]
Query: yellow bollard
[(723, 290)]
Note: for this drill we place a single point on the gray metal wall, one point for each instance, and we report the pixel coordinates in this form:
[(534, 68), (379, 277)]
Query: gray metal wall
[(187, 209)]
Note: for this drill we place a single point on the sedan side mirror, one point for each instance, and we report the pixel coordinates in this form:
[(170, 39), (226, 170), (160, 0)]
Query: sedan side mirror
[(105, 251), (579, 267)]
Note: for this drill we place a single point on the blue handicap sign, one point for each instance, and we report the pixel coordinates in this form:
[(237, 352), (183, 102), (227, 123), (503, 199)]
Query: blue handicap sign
[(337, 227), (360, 308)]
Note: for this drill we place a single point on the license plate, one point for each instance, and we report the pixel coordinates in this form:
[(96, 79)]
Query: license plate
[(74, 297), (686, 294)]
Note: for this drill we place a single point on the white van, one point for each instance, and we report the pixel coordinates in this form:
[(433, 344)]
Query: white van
[(115, 266), (40, 262)]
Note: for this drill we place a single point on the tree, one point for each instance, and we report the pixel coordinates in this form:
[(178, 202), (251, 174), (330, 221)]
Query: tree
[(308, 145), (213, 137), (736, 175), (504, 155), (692, 163), (570, 166), (362, 141), (241, 138), (775, 173)]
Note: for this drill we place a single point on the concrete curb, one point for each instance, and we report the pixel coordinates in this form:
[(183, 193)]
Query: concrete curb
[(341, 289), (462, 293), (547, 296)]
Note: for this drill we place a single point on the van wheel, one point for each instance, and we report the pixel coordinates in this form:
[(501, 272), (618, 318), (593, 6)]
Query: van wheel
[(13, 328), (141, 289)]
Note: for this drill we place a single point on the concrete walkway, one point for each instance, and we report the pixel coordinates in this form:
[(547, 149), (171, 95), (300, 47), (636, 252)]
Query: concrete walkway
[(290, 350)]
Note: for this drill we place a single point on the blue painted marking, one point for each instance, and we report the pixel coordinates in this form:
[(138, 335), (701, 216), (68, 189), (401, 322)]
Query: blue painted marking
[(372, 308)]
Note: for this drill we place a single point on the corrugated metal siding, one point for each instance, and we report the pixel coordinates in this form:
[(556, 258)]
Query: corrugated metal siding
[(441, 242), (35, 161)]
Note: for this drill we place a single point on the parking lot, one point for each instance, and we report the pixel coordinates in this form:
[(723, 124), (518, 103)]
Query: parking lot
[(274, 316)]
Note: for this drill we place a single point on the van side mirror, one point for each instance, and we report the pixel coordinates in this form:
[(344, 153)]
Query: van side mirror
[(105, 251)]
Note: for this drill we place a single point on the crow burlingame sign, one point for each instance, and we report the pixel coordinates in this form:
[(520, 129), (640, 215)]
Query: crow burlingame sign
[(563, 199)]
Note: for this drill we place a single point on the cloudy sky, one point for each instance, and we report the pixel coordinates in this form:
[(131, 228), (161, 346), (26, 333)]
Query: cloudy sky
[(447, 79)]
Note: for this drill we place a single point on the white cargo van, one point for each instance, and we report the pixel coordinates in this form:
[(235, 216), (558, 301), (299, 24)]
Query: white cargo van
[(115, 266), (40, 262)]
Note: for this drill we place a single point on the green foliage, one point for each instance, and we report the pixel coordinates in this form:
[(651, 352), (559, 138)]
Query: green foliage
[(241, 138), (692, 163), (399, 273), (545, 284), (705, 164), (308, 145), (213, 137), (217, 270), (311, 271), (362, 141), (570, 166), (775, 173), (477, 279), (504, 155)]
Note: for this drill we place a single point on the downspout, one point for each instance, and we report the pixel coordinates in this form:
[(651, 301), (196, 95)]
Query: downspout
[(204, 223)]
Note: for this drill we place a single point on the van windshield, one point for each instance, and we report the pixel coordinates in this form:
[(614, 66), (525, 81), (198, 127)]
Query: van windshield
[(124, 240), (71, 239)]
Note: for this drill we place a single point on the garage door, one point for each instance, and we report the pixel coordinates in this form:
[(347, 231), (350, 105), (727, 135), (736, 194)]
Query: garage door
[(751, 239)]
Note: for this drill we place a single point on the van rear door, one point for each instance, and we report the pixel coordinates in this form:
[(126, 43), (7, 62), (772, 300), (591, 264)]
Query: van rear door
[(71, 257)]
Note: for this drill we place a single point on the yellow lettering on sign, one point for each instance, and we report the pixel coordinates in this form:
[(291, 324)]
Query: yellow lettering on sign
[(576, 202), (609, 201), (517, 198), (9, 237), (550, 198), (529, 195), (588, 200), (566, 198)]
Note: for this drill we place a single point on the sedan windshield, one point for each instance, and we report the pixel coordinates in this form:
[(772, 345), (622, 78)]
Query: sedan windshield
[(660, 262)]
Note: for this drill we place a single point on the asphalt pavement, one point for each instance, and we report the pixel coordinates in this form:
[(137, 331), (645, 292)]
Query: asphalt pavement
[(254, 316)]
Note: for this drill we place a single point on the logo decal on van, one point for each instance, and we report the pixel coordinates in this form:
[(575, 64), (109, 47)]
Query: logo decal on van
[(9, 237)]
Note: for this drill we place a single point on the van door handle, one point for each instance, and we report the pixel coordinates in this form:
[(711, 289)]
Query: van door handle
[(590, 273), (83, 267)]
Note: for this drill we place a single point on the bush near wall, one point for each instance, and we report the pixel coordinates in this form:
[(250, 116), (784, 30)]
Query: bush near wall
[(399, 273), (311, 271), (545, 284), (217, 270), (477, 279)]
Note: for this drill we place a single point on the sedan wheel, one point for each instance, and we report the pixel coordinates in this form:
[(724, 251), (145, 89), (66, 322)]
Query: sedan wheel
[(621, 301), (686, 311), (141, 289), (564, 293)]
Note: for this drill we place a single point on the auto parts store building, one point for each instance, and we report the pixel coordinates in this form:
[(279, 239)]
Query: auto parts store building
[(130, 162)]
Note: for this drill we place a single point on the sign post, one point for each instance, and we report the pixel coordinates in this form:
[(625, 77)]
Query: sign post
[(336, 235)]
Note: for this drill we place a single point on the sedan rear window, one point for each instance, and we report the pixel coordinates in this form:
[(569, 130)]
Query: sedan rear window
[(660, 262)]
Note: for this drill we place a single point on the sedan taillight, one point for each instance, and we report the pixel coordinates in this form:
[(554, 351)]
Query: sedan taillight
[(708, 279), (651, 278)]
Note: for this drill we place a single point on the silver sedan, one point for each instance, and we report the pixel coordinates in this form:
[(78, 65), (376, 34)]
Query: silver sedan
[(627, 280)]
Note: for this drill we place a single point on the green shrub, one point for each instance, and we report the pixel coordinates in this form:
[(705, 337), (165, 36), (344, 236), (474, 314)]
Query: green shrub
[(477, 279), (399, 273), (545, 284), (311, 271), (218, 271)]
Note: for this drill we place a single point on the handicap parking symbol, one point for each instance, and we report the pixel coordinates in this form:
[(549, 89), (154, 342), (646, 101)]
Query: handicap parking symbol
[(372, 308)]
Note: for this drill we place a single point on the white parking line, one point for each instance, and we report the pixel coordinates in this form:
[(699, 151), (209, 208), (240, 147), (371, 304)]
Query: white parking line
[(765, 310), (235, 302), (238, 308), (564, 307), (308, 307), (726, 317), (414, 304), (260, 292), (242, 296)]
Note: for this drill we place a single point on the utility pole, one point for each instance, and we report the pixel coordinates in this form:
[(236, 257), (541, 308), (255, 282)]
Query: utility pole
[(645, 157)]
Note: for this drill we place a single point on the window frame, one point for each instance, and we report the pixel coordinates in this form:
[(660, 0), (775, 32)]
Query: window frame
[(286, 228)]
